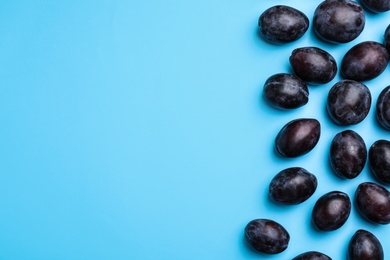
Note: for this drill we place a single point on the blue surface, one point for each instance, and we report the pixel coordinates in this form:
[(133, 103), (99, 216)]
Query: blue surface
[(136, 130)]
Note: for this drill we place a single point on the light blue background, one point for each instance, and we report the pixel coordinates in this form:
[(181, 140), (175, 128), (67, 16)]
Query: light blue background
[(136, 130)]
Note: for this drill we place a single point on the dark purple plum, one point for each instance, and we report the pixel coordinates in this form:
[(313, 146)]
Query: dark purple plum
[(292, 186), (312, 255), (313, 65), (377, 6), (386, 41), (298, 137), (364, 61), (282, 24), (331, 211), (383, 108), (373, 202), (348, 102), (379, 160), (338, 21), (365, 246), (348, 154), (267, 236), (286, 91)]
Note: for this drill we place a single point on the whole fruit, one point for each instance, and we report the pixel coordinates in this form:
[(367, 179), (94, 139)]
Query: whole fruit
[(286, 91), (348, 102), (373, 202), (282, 24), (364, 61), (313, 65), (331, 211), (292, 186), (298, 137), (348, 154), (338, 21), (267, 236)]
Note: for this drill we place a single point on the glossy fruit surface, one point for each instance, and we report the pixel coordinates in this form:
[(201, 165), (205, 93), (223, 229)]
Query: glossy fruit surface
[(386, 41), (348, 154), (383, 108), (339, 21), (267, 236), (313, 65), (282, 24), (379, 160), (373, 202), (377, 6), (348, 102), (331, 211), (292, 186), (312, 255), (365, 246), (286, 91), (364, 61), (298, 137)]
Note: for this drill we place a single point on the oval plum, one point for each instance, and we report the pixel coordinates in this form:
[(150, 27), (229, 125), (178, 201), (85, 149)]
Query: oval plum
[(267, 236), (292, 186), (298, 137)]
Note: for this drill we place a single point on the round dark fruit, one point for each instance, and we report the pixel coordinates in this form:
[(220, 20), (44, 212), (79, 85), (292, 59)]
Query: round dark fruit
[(298, 137), (365, 245), (348, 154), (267, 236), (338, 21), (373, 202), (331, 211), (364, 61), (292, 186), (312, 255), (282, 24), (383, 108), (379, 160), (286, 91), (313, 65), (348, 102)]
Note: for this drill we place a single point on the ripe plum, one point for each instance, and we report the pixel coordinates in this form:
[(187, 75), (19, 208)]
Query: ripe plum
[(298, 137), (282, 24)]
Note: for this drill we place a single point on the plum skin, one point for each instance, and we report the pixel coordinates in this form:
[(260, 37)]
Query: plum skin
[(379, 160), (383, 108), (386, 40), (286, 91), (312, 255), (364, 61), (313, 65), (282, 24), (365, 245), (298, 137), (348, 102), (338, 21), (373, 202), (331, 211), (376, 6), (348, 154), (292, 186), (267, 236)]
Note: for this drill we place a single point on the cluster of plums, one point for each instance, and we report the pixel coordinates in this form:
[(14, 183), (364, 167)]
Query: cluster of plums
[(348, 103)]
